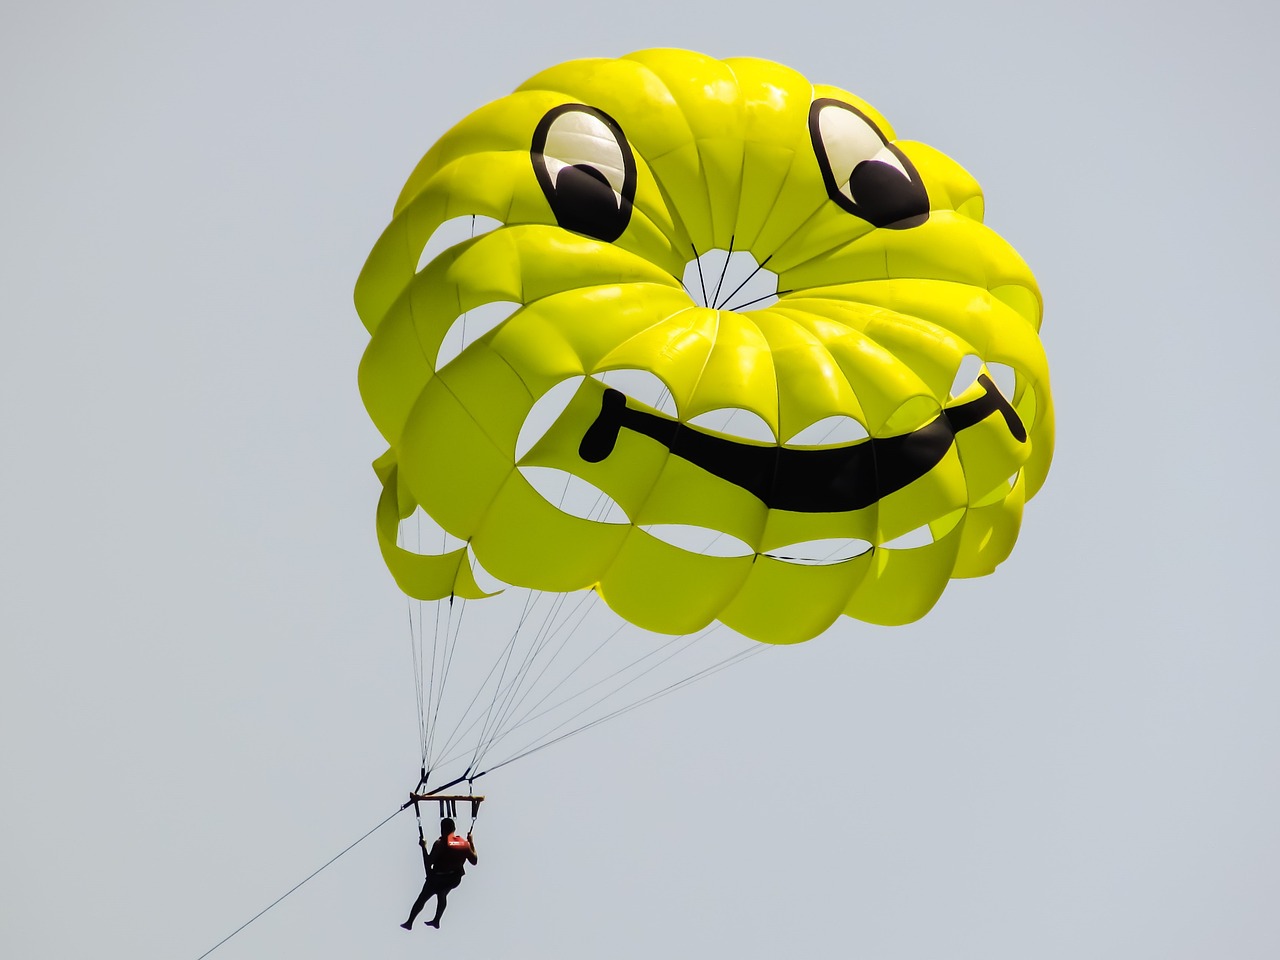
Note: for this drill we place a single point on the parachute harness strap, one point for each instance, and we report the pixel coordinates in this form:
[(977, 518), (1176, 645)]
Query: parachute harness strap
[(417, 814)]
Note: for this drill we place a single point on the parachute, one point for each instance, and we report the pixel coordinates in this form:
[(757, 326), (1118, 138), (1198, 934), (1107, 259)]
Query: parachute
[(716, 348)]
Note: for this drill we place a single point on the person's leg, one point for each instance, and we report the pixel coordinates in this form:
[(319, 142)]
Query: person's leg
[(428, 888), (442, 899)]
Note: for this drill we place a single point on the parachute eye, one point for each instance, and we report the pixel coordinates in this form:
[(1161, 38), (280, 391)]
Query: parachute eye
[(586, 170), (864, 173)]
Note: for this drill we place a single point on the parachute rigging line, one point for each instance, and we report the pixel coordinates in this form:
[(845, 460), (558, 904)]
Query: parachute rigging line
[(500, 691), (780, 293), (539, 742), (498, 734), (464, 732), (528, 716), (529, 602), (451, 645), (759, 267), (723, 270), (511, 701), (606, 679), (650, 698), (697, 259), (622, 686)]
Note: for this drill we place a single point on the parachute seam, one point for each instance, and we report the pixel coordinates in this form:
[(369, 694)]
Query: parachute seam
[(679, 108)]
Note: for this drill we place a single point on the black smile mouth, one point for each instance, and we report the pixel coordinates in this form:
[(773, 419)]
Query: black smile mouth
[(828, 480)]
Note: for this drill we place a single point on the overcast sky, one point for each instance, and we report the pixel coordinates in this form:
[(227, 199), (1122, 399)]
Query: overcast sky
[(205, 679)]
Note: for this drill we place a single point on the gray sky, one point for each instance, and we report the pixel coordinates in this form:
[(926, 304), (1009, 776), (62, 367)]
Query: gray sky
[(205, 687)]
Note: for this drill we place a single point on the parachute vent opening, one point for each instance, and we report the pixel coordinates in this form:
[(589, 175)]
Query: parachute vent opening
[(966, 373), (818, 553), (471, 326), (641, 386), (919, 537), (1005, 378), (972, 366), (911, 415), (730, 281), (573, 495), (485, 580), (701, 540), (830, 430), (999, 492), (544, 413), (419, 533), (736, 423), (453, 232)]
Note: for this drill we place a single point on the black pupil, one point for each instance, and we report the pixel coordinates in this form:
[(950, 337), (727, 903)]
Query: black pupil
[(585, 202), (885, 197)]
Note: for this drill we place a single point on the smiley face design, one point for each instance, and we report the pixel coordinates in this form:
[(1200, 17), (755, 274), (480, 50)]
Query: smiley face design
[(611, 183)]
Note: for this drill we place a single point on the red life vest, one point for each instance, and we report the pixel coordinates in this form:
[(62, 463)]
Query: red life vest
[(456, 842)]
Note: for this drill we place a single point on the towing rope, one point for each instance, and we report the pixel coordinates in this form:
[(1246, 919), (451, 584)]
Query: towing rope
[(300, 883)]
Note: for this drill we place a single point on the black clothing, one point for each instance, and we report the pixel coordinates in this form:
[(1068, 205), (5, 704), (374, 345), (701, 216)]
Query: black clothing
[(446, 860), (446, 864), (437, 885)]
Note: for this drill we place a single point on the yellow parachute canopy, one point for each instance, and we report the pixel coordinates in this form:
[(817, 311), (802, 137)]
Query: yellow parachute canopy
[(864, 348)]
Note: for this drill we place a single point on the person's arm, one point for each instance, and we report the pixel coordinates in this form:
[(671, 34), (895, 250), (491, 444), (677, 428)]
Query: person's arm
[(471, 854)]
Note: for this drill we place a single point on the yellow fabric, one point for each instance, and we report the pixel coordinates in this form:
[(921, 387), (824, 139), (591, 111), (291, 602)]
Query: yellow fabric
[(872, 323), (423, 576)]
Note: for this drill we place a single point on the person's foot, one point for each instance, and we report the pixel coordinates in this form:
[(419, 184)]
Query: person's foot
[(432, 923), (406, 926)]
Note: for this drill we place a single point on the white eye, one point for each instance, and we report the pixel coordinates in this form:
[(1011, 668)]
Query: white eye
[(849, 139), (863, 172), (586, 170), (577, 137)]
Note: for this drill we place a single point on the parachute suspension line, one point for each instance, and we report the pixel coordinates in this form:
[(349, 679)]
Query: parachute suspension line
[(518, 691), (516, 679), (530, 601), (505, 659), (727, 662), (425, 721), (304, 880), (452, 630), (435, 639), (503, 688), (800, 226), (716, 303), (626, 683), (461, 732), (569, 635), (780, 293), (697, 259), (759, 267), (423, 724), (418, 693), (530, 717), (420, 687), (657, 404), (498, 732), (525, 718)]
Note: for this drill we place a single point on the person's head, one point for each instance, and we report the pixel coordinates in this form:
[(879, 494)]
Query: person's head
[(447, 826)]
